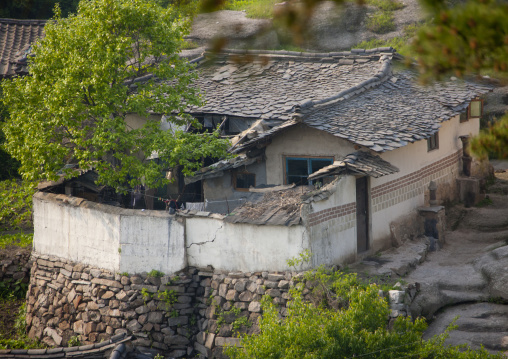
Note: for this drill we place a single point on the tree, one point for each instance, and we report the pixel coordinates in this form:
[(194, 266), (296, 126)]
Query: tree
[(35, 9), (469, 38), (93, 69)]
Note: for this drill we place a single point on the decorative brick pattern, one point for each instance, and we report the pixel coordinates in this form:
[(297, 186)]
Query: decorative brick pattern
[(393, 192), (344, 210), (414, 184)]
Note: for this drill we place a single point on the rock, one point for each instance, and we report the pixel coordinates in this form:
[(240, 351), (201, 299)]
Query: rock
[(155, 317), (183, 320), (221, 341), (255, 307)]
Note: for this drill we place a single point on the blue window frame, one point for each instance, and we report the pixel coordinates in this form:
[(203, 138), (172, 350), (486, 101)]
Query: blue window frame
[(299, 168)]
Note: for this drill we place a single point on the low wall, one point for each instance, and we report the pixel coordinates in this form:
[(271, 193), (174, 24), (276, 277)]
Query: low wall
[(193, 313), (184, 314), (15, 264), (129, 240)]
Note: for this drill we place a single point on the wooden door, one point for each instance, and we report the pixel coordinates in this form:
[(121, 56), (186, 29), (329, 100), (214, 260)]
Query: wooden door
[(362, 214)]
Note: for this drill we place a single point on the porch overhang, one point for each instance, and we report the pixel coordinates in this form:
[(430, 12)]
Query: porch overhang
[(357, 163)]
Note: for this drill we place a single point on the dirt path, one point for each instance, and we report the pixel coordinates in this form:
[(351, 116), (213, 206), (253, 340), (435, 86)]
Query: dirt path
[(468, 277)]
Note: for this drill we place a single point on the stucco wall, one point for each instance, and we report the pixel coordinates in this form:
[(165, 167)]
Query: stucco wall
[(116, 239), (136, 241), (301, 141), (243, 247), (332, 233)]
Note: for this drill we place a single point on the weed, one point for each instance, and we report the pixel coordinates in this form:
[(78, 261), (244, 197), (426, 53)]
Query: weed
[(11, 289), (168, 296), (260, 9), (484, 202), (18, 239), (125, 274), (303, 257), (174, 313), (146, 295), (74, 341), (381, 22), (155, 273), (386, 5)]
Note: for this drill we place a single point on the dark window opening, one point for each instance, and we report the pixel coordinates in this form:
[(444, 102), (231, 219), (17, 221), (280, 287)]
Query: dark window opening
[(244, 180), (433, 142), (298, 169)]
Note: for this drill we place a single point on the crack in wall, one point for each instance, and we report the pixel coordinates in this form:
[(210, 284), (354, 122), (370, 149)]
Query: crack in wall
[(205, 242)]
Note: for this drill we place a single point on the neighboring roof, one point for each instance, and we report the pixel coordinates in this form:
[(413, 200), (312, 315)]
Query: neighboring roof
[(218, 168), (280, 208), (15, 39), (102, 350), (357, 163), (269, 84), (395, 113)]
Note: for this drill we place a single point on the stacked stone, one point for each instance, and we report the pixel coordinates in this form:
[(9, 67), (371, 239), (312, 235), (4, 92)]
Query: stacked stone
[(66, 299), (400, 299), (15, 267), (229, 298)]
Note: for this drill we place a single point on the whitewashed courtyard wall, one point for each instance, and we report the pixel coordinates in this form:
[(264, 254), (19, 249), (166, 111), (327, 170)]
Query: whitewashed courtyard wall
[(135, 241)]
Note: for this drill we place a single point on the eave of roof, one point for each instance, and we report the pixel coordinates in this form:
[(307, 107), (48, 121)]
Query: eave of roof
[(359, 162)]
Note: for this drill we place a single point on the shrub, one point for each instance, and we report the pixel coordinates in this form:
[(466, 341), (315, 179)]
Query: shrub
[(381, 22)]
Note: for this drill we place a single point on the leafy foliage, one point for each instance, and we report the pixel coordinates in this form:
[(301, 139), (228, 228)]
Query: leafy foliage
[(381, 22), (348, 319), (18, 239), (35, 9), (85, 84), (469, 38), (16, 204)]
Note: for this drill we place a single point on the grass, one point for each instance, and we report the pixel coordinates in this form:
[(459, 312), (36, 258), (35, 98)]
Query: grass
[(400, 43), (18, 239), (258, 9), (381, 22), (386, 5)]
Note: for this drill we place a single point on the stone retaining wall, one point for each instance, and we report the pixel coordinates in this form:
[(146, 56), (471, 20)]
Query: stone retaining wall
[(15, 264), (192, 312)]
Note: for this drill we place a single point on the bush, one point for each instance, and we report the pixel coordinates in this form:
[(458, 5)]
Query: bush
[(381, 22), (345, 319)]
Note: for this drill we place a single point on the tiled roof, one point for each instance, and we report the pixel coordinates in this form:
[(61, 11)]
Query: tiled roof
[(218, 168), (15, 39), (90, 351), (357, 163), (395, 113), (361, 96), (271, 84)]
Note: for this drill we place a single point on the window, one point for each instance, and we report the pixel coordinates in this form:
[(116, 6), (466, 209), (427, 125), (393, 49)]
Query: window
[(298, 169), (244, 180), (433, 142), (474, 110)]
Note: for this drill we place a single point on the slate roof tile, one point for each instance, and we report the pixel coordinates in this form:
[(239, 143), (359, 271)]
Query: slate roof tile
[(15, 38)]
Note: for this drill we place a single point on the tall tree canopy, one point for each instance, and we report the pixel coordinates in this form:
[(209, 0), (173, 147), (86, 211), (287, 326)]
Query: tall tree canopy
[(93, 69), (468, 38), (35, 9)]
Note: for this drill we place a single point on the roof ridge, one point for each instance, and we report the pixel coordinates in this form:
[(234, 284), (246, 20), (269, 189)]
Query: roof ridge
[(380, 77), (305, 54), (23, 21)]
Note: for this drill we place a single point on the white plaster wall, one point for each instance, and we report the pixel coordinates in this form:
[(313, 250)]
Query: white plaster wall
[(152, 241), (334, 241), (76, 233), (116, 239), (242, 247), (301, 141), (414, 156)]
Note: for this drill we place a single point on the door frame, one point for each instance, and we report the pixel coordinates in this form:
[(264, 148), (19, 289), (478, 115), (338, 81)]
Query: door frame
[(363, 221)]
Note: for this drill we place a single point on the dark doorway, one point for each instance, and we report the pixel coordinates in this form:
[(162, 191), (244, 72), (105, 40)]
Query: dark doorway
[(362, 214)]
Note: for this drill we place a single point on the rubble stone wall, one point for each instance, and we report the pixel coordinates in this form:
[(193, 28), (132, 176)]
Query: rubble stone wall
[(184, 314), (15, 264), (189, 313)]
